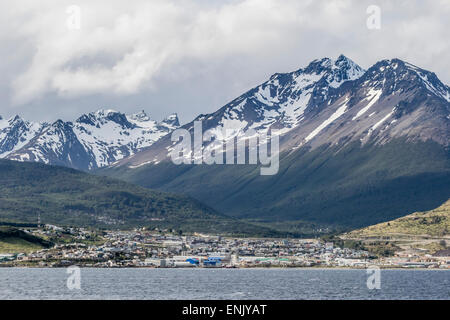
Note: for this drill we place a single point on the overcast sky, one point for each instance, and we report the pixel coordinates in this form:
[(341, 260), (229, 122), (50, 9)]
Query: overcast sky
[(193, 56)]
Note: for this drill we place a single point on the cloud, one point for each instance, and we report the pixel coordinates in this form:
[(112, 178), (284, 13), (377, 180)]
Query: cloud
[(126, 49)]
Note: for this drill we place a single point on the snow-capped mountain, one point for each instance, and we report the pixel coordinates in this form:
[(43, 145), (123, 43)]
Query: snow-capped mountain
[(393, 99), (92, 141), (356, 147), (281, 102), (331, 102), (16, 133)]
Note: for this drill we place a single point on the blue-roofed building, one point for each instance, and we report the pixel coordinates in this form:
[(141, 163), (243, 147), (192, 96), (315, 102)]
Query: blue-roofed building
[(213, 262), (193, 261)]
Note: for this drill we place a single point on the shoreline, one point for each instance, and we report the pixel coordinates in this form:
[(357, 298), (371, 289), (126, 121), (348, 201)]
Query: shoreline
[(246, 268)]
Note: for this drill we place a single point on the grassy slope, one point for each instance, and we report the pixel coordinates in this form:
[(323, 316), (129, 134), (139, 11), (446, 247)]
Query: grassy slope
[(350, 187), (68, 197), (13, 240), (434, 223)]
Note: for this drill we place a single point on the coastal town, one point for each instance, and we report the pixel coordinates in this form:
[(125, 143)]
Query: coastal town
[(169, 249)]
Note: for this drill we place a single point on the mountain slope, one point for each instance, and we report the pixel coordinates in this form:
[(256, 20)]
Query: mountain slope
[(94, 140), (65, 196), (356, 147), (13, 240), (350, 187), (434, 222)]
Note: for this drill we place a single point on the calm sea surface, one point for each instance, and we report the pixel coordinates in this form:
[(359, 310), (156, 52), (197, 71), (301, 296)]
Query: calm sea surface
[(24, 283)]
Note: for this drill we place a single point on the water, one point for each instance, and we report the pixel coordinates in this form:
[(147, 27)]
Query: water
[(25, 283)]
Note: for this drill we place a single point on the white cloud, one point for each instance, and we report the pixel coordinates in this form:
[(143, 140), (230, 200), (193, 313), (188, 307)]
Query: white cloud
[(140, 46)]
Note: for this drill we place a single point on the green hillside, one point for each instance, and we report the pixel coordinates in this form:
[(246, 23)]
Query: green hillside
[(13, 240), (435, 223), (65, 196)]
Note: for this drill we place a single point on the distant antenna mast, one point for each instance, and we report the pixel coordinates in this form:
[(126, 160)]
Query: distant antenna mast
[(39, 220)]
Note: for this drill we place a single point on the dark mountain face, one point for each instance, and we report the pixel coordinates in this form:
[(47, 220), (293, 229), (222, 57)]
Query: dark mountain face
[(356, 147), (350, 186)]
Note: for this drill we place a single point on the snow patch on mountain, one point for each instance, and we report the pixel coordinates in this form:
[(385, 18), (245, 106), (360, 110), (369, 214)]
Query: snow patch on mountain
[(338, 113), (379, 123), (372, 96)]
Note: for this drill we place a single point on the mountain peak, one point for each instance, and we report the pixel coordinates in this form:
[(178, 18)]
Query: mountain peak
[(105, 112), (139, 116), (431, 81), (318, 65), (346, 63), (60, 123), (343, 58), (395, 71), (335, 72), (16, 120), (172, 120)]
